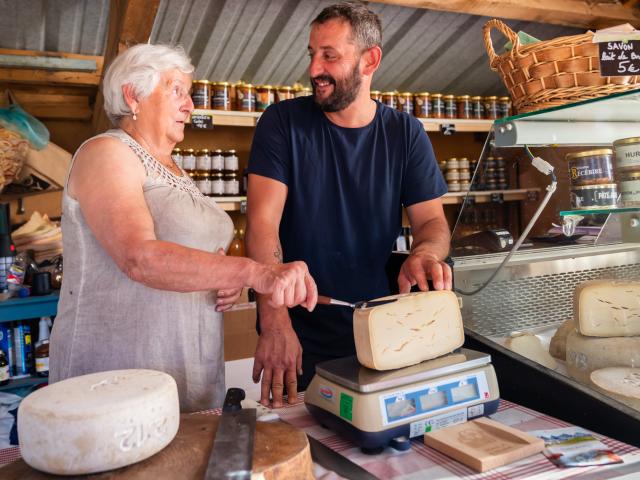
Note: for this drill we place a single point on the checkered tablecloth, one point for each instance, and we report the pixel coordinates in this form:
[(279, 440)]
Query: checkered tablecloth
[(422, 462)]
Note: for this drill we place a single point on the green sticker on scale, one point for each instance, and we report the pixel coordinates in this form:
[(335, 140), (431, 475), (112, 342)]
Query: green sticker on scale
[(346, 406)]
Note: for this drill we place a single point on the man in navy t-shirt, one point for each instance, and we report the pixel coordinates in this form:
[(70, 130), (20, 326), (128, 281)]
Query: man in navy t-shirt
[(328, 177)]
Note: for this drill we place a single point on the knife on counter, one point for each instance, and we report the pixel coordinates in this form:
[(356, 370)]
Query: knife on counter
[(324, 300), (232, 453)]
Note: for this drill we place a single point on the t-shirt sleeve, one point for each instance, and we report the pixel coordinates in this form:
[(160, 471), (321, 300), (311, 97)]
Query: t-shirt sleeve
[(422, 177), (270, 155)]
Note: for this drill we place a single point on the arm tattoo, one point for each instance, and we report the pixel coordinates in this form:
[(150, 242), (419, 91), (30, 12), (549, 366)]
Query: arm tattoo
[(278, 254)]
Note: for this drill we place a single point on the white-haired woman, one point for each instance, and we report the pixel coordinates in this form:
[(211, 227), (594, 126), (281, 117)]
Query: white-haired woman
[(146, 278)]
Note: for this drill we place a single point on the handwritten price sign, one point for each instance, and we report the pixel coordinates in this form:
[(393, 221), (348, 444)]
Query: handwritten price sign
[(619, 58)]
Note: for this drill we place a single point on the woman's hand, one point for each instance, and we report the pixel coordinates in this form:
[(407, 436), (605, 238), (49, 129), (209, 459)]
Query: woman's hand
[(226, 298), (289, 284)]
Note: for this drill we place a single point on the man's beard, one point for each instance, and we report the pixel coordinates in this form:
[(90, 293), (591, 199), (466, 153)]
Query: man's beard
[(344, 93)]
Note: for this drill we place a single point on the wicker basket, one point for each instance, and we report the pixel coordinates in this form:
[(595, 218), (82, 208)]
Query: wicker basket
[(553, 72)]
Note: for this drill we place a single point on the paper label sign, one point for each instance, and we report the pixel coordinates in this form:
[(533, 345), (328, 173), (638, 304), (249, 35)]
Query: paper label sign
[(201, 121), (619, 58)]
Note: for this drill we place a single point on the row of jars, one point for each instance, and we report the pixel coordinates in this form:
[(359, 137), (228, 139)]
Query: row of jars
[(242, 97), (215, 172), (437, 105)]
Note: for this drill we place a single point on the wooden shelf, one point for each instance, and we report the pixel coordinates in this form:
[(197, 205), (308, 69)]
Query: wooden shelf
[(250, 119), (487, 196), (230, 204)]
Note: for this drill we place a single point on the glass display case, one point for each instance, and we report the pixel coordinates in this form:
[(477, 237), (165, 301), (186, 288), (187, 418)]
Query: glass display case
[(517, 271)]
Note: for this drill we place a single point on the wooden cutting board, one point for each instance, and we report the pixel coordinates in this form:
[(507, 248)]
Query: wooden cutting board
[(280, 452)]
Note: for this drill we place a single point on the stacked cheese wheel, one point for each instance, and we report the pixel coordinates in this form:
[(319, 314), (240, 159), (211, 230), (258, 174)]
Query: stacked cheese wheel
[(604, 333)]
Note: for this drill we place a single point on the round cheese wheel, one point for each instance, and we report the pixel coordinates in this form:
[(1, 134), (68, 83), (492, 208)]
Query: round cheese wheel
[(621, 383), (99, 421), (558, 344), (586, 354), (528, 345)]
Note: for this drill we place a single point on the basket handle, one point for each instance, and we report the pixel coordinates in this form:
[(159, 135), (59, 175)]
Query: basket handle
[(488, 44)]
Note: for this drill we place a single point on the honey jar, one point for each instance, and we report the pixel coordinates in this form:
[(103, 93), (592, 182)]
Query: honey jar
[(221, 96), (464, 106), (477, 107), (491, 107), (201, 94), (450, 107), (265, 96), (422, 105), (283, 93), (246, 98), (389, 99), (405, 102), (504, 107), (375, 95), (217, 161), (203, 160), (437, 106)]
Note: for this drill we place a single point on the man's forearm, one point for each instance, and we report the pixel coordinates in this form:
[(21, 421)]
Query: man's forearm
[(432, 237)]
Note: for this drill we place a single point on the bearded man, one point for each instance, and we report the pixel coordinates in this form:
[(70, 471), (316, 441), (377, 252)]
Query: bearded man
[(328, 177)]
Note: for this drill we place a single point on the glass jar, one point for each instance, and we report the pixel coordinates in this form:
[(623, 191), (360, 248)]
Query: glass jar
[(203, 182), (376, 95), (221, 96), (627, 154), (283, 93), (630, 189), (188, 160), (303, 92), (405, 102), (465, 174), (464, 106), (422, 105), (230, 161), (217, 184), (454, 185), (217, 161), (437, 106), (477, 107), (246, 98), (201, 94), (450, 107), (491, 107), (265, 96), (504, 107), (176, 156), (203, 160), (452, 174), (453, 163), (591, 167), (463, 162), (389, 99), (231, 184)]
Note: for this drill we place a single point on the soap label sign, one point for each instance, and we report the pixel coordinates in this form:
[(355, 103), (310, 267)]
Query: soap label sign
[(619, 58)]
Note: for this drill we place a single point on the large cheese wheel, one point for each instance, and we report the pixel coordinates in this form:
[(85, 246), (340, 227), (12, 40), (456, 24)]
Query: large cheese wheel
[(607, 308), (621, 383), (558, 344), (586, 354), (416, 327), (99, 421), (528, 345)]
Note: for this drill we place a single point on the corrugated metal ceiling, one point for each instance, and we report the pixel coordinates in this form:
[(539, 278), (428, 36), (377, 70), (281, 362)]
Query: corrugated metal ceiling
[(265, 41)]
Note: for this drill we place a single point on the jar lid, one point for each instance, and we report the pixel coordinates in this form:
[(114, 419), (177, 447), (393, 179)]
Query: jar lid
[(491, 97), (453, 181), (505, 99), (203, 174), (454, 159), (306, 89), (230, 152), (463, 158), (406, 94), (285, 88), (423, 94), (232, 174), (436, 95), (265, 86), (388, 93), (607, 186), (449, 97), (463, 97), (222, 84), (589, 153), (189, 150), (374, 92), (217, 175), (630, 176), (627, 141), (203, 82), (246, 85), (476, 97), (203, 151), (176, 150)]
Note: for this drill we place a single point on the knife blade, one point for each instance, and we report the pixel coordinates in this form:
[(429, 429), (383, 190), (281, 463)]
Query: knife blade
[(232, 453), (334, 462), (324, 300)]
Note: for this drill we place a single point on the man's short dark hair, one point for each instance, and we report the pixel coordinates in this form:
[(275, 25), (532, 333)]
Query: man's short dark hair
[(365, 25)]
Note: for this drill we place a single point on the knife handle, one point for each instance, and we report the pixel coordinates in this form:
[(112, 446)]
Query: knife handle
[(232, 400)]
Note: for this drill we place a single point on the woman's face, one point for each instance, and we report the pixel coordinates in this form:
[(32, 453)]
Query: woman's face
[(168, 107)]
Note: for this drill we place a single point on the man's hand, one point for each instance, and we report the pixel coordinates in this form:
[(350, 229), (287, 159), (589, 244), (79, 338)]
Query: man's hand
[(421, 266), (279, 358)]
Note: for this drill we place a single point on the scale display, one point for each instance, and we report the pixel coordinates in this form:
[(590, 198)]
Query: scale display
[(432, 397)]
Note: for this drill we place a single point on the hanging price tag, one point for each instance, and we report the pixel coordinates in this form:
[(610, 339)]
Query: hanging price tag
[(199, 120)]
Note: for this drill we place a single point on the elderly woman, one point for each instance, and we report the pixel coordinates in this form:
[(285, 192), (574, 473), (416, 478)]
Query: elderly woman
[(146, 278)]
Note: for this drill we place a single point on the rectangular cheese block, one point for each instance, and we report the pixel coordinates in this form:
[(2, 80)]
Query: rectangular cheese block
[(607, 308), (416, 327)]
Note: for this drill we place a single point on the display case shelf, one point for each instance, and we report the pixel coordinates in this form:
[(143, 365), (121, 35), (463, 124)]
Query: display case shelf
[(599, 211), (486, 196)]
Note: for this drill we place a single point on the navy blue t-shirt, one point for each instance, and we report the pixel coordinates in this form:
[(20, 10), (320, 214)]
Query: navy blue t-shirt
[(343, 213)]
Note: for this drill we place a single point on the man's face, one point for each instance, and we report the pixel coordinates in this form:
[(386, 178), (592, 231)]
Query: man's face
[(334, 65)]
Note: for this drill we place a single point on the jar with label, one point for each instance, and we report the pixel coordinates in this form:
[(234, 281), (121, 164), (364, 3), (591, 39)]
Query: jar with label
[(464, 185), (453, 163), (246, 98), (454, 185), (221, 96), (437, 106), (500, 162), (203, 160), (283, 93), (504, 107), (490, 162), (450, 107), (630, 189), (443, 165), (491, 107), (405, 102), (203, 182), (201, 94), (464, 106), (188, 160), (465, 174), (230, 161), (463, 163), (265, 96), (217, 161), (375, 95), (389, 99), (231, 184), (303, 92), (422, 105), (590, 197), (176, 156), (477, 107), (627, 154), (452, 174), (592, 167), (217, 184)]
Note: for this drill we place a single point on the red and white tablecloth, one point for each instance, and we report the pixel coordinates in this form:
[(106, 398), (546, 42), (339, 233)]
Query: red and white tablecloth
[(422, 462)]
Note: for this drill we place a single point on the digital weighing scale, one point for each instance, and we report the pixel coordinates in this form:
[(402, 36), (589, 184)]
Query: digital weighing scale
[(375, 409)]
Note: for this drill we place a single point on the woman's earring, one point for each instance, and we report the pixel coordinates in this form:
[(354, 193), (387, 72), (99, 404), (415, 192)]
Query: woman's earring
[(135, 117)]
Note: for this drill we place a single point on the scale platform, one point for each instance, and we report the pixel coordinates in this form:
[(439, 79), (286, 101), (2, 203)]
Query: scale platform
[(376, 409)]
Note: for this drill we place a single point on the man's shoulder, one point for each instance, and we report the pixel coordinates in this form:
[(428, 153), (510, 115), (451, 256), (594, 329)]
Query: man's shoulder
[(293, 108), (399, 123)]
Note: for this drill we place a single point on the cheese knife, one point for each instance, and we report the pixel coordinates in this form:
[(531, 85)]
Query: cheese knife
[(232, 452), (324, 300)]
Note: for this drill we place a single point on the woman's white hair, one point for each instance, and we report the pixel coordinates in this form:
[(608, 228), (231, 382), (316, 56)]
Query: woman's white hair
[(140, 66)]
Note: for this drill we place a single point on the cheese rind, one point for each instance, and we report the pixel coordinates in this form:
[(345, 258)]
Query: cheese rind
[(621, 383), (586, 354), (607, 308), (528, 345), (558, 344), (416, 327), (98, 422)]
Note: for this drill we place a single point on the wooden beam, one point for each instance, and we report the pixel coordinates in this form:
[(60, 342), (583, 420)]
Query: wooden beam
[(572, 13), (130, 23), (57, 106)]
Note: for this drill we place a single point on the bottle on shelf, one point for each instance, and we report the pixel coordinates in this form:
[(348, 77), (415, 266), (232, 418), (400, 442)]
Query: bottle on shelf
[(42, 348), (236, 248)]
